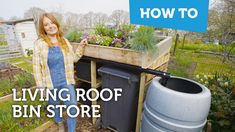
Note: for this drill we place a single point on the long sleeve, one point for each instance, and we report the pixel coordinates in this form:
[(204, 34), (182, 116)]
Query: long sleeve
[(37, 68), (78, 52)]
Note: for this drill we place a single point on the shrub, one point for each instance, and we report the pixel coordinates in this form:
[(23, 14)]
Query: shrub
[(222, 114), (197, 41), (29, 52)]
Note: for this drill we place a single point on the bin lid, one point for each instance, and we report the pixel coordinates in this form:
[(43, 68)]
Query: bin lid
[(118, 72)]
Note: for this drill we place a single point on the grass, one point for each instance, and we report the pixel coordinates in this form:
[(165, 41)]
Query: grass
[(22, 80), (187, 63), (5, 87), (3, 43), (204, 47), (9, 123), (22, 62)]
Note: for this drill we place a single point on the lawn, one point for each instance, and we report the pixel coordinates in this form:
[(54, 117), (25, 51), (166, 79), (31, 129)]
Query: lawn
[(206, 47), (187, 63)]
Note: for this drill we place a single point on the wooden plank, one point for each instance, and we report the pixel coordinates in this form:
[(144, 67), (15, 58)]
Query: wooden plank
[(140, 101), (208, 128), (9, 97), (98, 84), (44, 126), (5, 98), (84, 80)]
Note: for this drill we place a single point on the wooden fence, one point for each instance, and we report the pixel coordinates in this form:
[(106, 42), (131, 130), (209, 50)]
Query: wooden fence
[(10, 51)]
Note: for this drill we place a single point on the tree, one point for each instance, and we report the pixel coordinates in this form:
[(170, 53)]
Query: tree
[(87, 20), (221, 20), (33, 12), (71, 21), (13, 18), (221, 25), (1, 20), (119, 17), (100, 18)]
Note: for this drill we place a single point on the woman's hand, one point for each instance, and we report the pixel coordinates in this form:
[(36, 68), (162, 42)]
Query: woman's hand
[(83, 43)]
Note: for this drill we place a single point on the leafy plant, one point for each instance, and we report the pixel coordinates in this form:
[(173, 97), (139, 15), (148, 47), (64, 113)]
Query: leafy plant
[(93, 39), (124, 31), (23, 80), (143, 40), (104, 30), (119, 34), (105, 41), (29, 52), (127, 28), (101, 29), (117, 43), (74, 36), (222, 114)]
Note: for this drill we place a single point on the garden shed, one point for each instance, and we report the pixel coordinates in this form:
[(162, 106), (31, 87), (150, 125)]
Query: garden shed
[(20, 34)]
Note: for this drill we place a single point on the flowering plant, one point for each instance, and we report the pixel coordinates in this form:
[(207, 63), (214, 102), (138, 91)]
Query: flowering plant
[(222, 112)]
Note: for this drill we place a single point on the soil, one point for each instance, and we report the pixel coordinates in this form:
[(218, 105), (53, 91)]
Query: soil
[(8, 70), (83, 125)]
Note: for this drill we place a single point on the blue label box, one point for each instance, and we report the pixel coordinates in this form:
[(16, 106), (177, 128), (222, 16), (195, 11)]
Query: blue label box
[(189, 15)]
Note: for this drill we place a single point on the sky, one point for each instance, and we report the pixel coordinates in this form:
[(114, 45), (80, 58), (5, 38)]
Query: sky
[(10, 8)]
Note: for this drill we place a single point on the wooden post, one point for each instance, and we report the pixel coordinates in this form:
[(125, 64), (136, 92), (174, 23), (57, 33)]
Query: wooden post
[(176, 43), (93, 84), (183, 40), (208, 128), (140, 101)]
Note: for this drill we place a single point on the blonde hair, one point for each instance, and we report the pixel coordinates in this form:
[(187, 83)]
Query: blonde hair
[(59, 34)]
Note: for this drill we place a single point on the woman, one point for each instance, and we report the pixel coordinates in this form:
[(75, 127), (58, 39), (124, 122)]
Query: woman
[(53, 65)]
